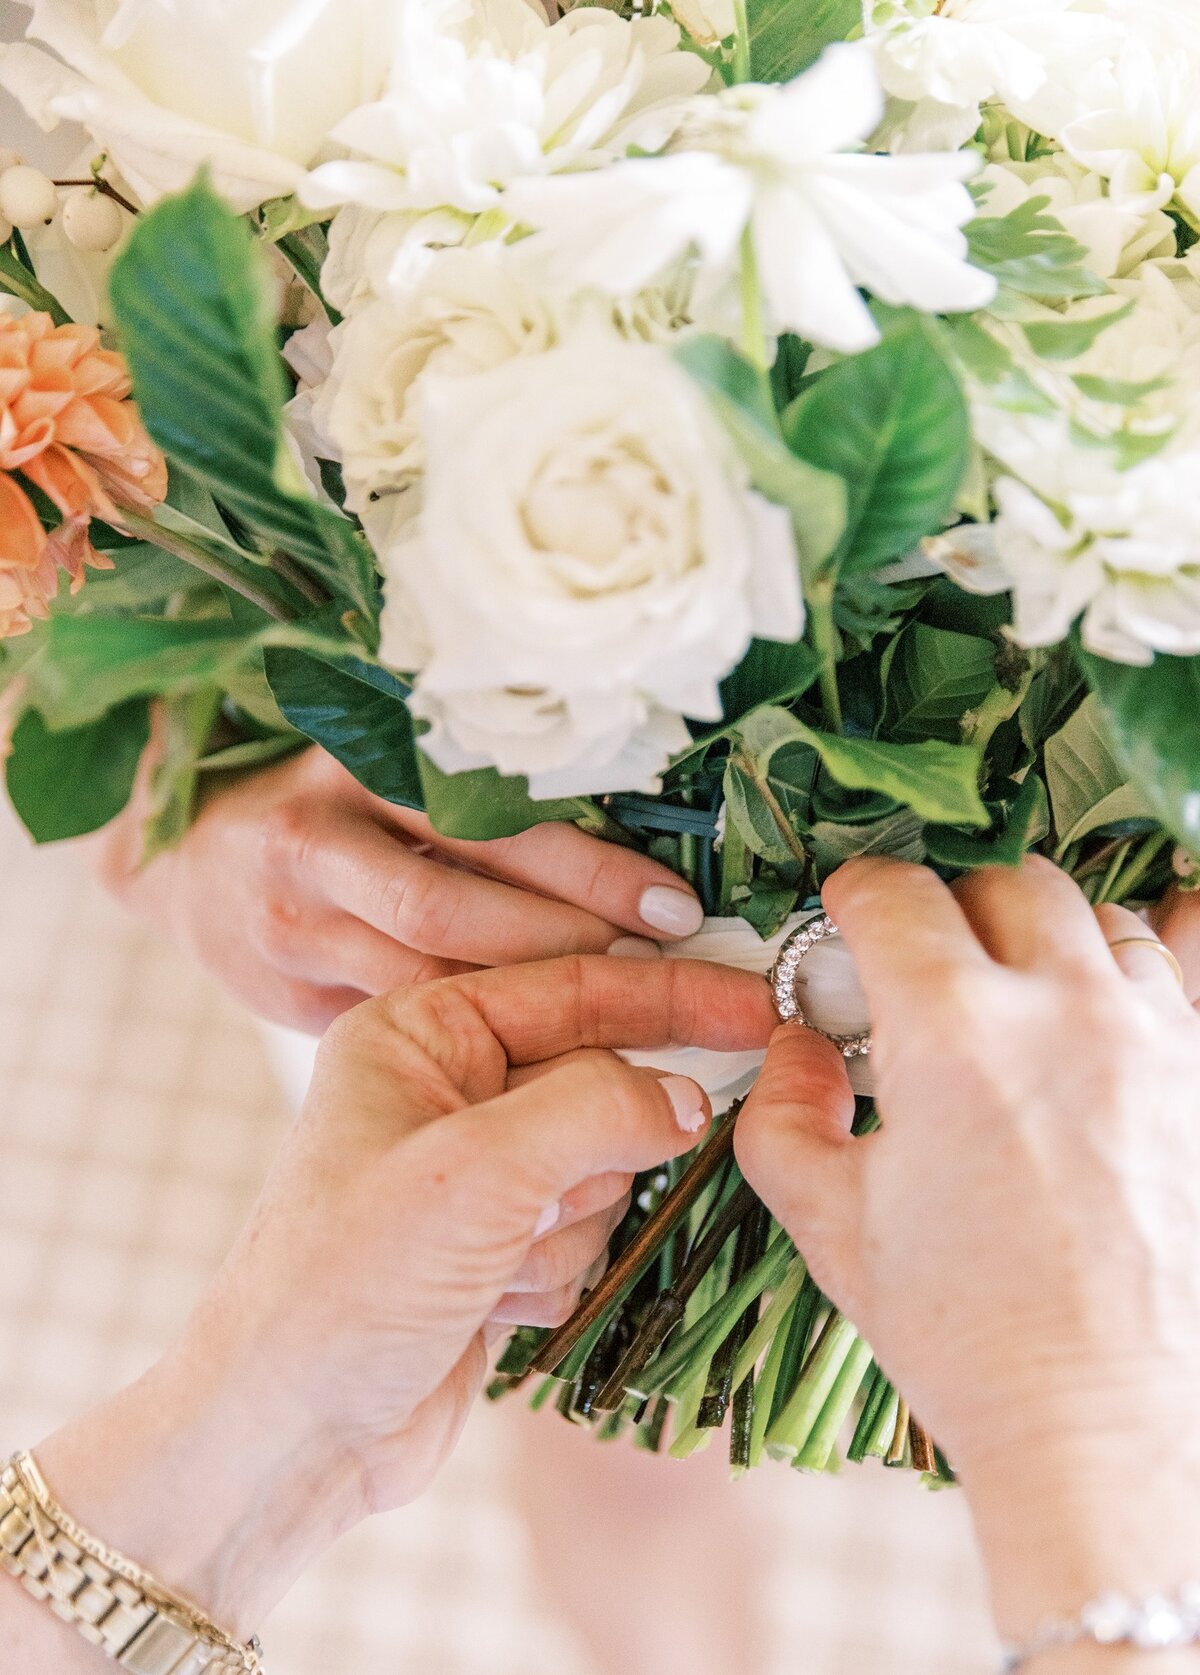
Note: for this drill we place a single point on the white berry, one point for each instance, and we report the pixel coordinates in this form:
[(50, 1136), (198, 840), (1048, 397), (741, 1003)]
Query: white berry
[(9, 159), (6, 231), (28, 198), (90, 220)]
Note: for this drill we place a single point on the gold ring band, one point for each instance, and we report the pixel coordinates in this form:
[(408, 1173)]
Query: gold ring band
[(1158, 947)]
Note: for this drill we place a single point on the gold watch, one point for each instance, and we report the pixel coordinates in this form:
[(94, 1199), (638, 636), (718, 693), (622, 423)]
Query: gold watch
[(110, 1601)]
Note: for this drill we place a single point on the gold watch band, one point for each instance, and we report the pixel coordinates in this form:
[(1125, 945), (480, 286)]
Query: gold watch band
[(109, 1600)]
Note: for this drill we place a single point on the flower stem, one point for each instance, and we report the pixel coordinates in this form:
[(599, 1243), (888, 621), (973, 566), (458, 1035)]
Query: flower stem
[(640, 1250), (19, 282), (825, 643), (754, 336), (791, 1431), (1127, 881), (821, 1442), (740, 67), (202, 558), (105, 190), (772, 1320), (786, 830)]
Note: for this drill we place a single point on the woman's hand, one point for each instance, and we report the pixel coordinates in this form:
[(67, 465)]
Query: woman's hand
[(1021, 1241), (464, 1153), (303, 893)]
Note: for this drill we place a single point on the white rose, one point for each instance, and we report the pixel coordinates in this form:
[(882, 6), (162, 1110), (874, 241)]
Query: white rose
[(250, 87), (589, 563), (468, 312)]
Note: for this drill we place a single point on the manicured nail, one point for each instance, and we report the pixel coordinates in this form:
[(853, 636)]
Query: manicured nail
[(549, 1218), (674, 911), (687, 1102), (635, 948)]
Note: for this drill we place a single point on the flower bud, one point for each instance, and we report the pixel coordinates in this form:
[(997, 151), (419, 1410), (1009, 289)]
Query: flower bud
[(28, 198), (90, 220)]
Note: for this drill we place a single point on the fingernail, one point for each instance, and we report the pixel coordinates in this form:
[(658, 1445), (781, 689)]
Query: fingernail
[(673, 911), (635, 948), (548, 1219), (687, 1102)]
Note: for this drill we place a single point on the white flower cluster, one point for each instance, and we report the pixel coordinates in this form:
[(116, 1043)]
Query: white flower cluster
[(1094, 468), (527, 212)]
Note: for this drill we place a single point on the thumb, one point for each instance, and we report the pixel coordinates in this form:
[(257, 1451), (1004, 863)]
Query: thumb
[(794, 1145)]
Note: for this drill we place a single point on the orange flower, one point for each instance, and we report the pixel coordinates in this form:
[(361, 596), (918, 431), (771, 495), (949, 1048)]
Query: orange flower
[(68, 426)]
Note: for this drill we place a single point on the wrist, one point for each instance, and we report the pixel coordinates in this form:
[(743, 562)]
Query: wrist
[(1075, 1510), (208, 1481)]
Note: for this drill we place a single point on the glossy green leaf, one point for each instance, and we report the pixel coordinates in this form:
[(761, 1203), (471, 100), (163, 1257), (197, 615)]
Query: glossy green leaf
[(1023, 820), (67, 784), (786, 36), (816, 499), (92, 664), (1084, 774), (935, 678), (187, 724), (483, 804), (898, 835), (938, 781), (770, 673), (892, 424), (1152, 719), (356, 712), (192, 303)]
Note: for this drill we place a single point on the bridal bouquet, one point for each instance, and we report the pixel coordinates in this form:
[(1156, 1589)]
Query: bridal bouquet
[(763, 431)]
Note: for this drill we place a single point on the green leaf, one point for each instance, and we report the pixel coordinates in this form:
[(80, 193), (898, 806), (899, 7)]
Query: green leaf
[(892, 424), (935, 678), (1152, 719), (768, 784), (1063, 339), (816, 499), (786, 36), (17, 281), (144, 578), (1084, 774), (66, 784), (482, 804), (92, 664), (192, 303), (767, 909), (753, 816), (898, 835), (770, 673), (1032, 253), (356, 712), (187, 727), (938, 781), (1023, 819)]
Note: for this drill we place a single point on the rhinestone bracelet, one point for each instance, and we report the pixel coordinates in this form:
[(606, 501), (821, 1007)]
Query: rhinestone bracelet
[(1155, 1624)]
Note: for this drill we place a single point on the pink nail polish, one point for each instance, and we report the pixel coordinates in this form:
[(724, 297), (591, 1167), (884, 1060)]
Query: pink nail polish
[(676, 912), (687, 1102)]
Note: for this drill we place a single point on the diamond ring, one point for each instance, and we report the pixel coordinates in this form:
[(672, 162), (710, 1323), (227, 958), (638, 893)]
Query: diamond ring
[(786, 982)]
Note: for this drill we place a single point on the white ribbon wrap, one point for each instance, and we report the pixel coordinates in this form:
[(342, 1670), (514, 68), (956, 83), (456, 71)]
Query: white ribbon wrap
[(832, 999)]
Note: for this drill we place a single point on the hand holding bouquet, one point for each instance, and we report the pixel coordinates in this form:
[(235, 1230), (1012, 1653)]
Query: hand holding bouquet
[(761, 436)]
